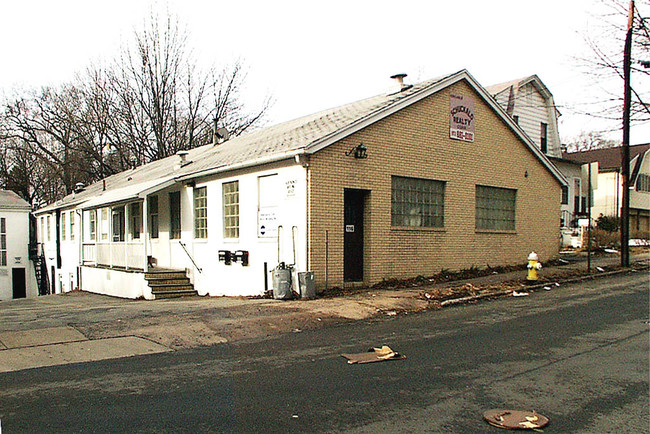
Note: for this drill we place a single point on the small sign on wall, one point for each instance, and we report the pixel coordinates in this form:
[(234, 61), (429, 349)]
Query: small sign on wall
[(18, 260), (461, 120), (268, 223), (349, 228), (291, 188)]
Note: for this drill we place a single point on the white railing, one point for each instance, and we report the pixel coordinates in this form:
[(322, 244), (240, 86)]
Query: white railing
[(119, 254), (89, 253)]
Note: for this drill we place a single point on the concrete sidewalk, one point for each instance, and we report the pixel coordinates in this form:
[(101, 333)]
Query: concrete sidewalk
[(79, 327)]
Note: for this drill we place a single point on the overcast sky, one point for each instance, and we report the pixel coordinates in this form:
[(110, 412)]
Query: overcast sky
[(311, 56)]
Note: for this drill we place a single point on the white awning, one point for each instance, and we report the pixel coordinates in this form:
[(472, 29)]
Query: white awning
[(129, 193)]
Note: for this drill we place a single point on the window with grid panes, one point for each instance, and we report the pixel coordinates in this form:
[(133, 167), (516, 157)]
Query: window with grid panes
[(63, 226), (3, 242), (49, 226), (201, 212), (495, 208), (71, 225), (643, 183), (92, 224), (231, 209), (417, 202)]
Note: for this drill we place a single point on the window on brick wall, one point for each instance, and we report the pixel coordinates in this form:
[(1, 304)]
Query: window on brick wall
[(495, 208), (417, 202)]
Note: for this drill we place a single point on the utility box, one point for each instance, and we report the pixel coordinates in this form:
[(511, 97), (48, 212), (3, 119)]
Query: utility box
[(282, 283), (307, 285)]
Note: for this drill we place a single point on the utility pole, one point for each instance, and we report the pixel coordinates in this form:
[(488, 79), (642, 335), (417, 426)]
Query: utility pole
[(625, 163)]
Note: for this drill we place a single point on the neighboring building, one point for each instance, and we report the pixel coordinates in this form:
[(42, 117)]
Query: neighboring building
[(608, 195), (530, 104), (17, 277), (428, 177)]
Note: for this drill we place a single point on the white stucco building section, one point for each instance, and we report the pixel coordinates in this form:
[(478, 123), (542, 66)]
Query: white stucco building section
[(15, 264), (272, 229)]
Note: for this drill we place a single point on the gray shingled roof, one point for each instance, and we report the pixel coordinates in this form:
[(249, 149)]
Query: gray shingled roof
[(10, 200), (300, 136)]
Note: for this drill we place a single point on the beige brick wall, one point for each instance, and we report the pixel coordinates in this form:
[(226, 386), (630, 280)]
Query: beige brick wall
[(415, 142)]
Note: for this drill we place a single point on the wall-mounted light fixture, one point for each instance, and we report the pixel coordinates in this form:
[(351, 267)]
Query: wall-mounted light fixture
[(359, 151)]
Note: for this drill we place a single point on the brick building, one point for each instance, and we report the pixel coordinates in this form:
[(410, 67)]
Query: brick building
[(426, 177)]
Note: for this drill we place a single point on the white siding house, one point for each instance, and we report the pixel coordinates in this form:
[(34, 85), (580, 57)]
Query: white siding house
[(17, 278), (529, 102)]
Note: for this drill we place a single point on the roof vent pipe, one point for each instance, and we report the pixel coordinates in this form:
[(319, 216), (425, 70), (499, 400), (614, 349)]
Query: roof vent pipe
[(79, 186), (183, 156), (399, 85)]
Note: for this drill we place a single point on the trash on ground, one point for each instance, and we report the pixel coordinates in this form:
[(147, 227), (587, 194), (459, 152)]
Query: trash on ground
[(548, 288), (374, 355), (600, 269), (519, 293), (557, 284), (610, 251), (391, 313), (562, 261), (515, 419)]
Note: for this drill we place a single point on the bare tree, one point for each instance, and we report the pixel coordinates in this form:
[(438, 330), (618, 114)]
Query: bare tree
[(604, 66), (151, 102)]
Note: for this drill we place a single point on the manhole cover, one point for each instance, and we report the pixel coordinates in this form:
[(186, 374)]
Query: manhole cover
[(515, 419)]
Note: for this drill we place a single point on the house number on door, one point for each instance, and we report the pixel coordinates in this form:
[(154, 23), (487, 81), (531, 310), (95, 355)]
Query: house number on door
[(349, 228)]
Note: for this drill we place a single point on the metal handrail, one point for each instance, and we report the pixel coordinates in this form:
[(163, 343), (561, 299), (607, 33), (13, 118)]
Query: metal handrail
[(190, 256)]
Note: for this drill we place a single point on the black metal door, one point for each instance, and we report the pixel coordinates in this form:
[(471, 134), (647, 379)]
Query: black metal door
[(18, 282), (353, 235)]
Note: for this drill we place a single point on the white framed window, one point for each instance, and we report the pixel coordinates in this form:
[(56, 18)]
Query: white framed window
[(92, 224), (103, 224), (154, 224), (3, 242), (42, 229), (72, 225), (417, 202), (63, 226), (118, 224), (495, 208), (175, 215), (135, 220), (201, 212), (49, 228), (231, 209), (643, 182)]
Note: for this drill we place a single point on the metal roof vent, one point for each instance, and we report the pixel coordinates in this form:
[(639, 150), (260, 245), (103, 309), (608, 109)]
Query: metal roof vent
[(182, 155), (79, 186), (399, 85)]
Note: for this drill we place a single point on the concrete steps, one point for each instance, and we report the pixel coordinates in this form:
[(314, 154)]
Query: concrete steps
[(169, 284)]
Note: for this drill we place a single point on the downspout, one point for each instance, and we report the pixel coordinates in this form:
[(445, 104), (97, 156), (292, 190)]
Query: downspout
[(80, 240), (145, 230)]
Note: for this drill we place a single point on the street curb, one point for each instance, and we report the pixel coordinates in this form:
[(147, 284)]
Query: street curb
[(462, 300)]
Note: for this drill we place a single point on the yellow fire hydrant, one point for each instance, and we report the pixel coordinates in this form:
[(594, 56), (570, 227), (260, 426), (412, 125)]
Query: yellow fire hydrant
[(533, 267)]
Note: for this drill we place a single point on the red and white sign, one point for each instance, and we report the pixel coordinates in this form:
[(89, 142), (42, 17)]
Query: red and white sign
[(461, 120)]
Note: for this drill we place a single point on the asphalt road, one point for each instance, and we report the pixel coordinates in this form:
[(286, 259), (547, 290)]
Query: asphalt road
[(576, 354)]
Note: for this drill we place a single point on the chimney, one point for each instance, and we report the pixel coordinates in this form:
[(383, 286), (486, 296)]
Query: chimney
[(399, 85)]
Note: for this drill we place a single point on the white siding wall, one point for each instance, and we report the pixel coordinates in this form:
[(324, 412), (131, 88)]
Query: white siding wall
[(533, 109), (17, 232), (290, 196)]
